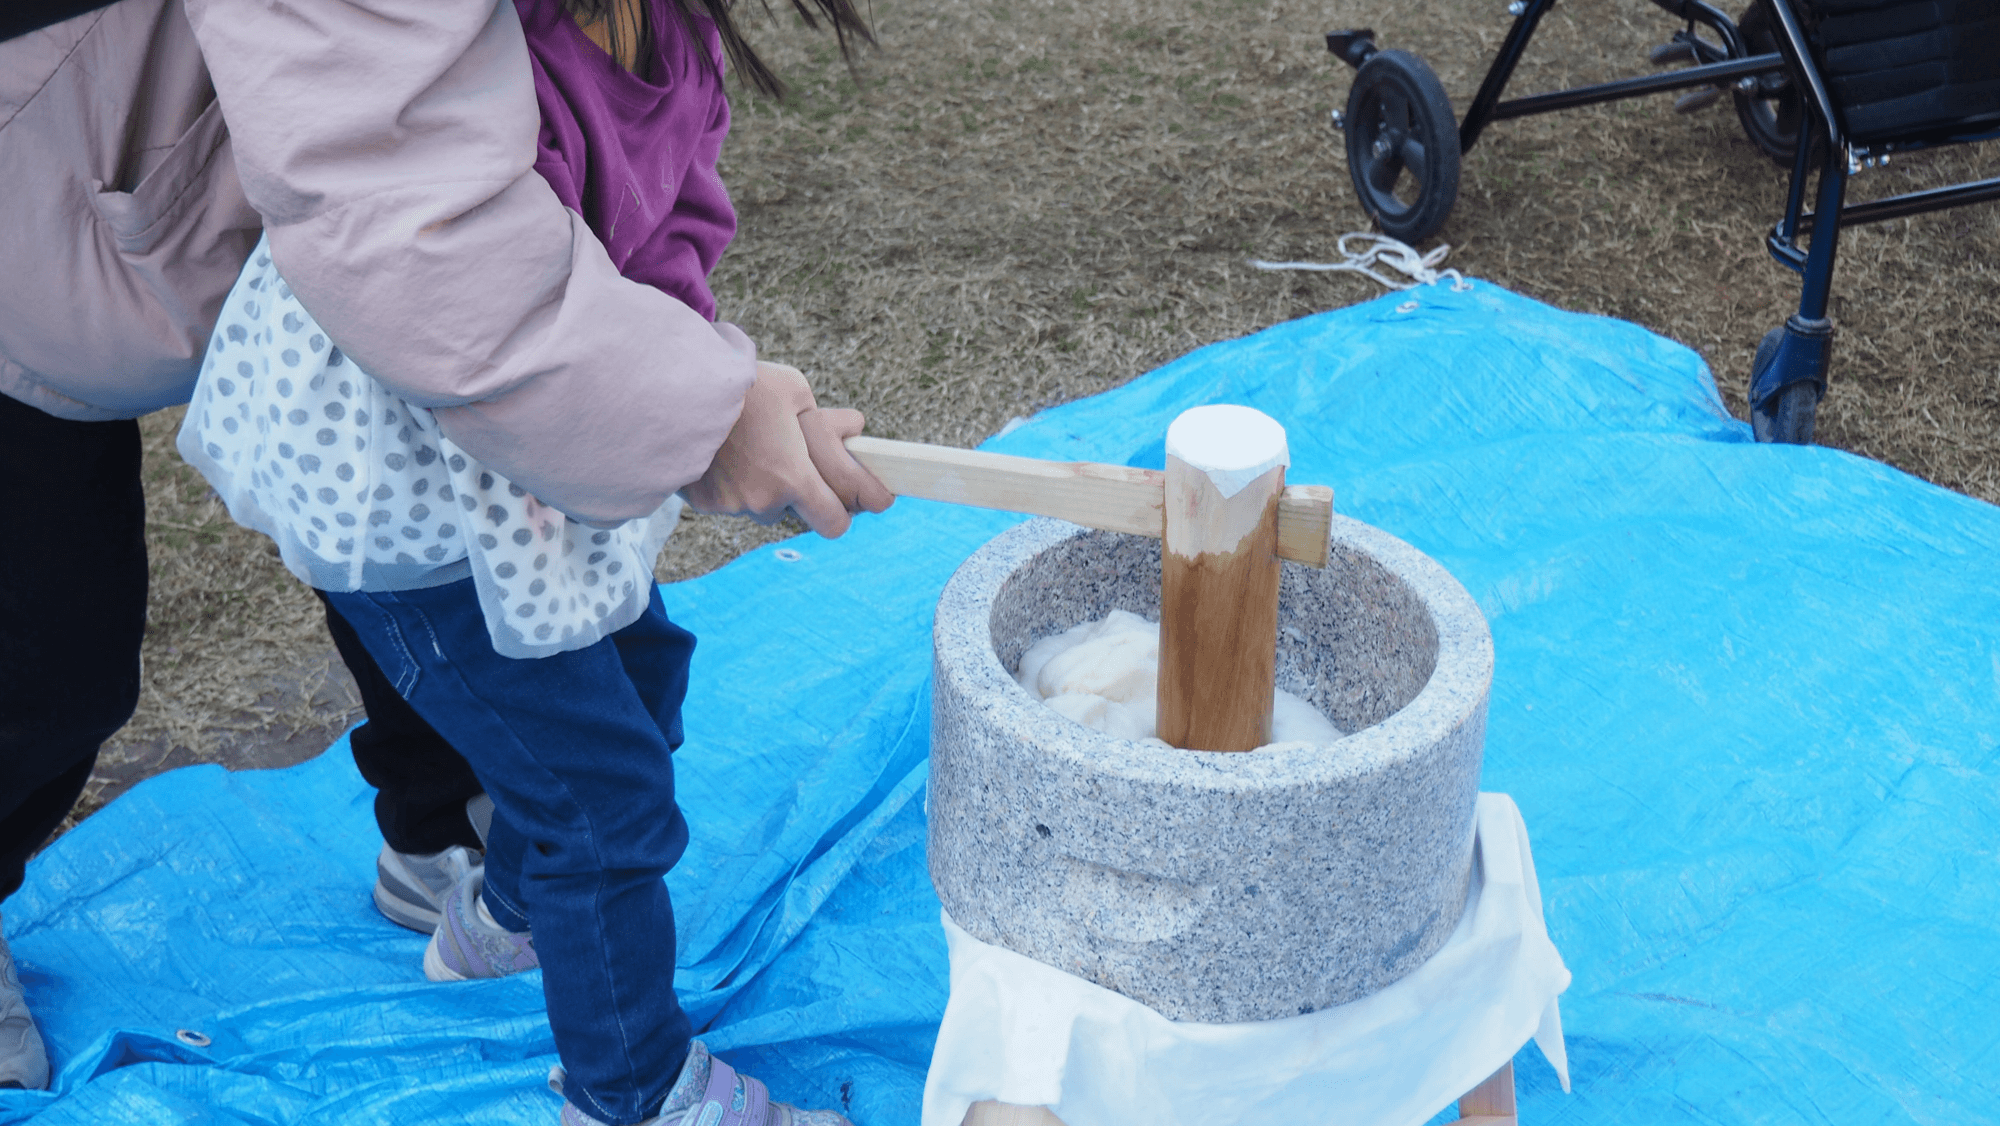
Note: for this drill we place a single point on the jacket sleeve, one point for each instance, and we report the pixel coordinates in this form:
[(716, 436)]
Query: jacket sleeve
[(390, 145)]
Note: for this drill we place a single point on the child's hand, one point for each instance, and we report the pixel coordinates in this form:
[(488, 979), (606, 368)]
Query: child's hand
[(827, 430), (769, 463)]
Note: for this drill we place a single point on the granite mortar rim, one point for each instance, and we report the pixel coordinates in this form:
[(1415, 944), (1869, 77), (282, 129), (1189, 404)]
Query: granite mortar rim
[(1459, 684)]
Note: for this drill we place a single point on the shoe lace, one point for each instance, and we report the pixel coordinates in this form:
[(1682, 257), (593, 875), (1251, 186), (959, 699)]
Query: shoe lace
[(457, 863)]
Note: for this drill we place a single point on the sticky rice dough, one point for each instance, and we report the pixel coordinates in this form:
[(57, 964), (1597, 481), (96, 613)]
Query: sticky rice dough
[(1105, 675)]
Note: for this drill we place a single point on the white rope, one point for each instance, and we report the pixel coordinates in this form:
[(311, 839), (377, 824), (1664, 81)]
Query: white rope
[(1420, 269)]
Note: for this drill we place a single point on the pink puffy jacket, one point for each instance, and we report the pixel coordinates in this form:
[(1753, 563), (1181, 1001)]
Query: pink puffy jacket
[(387, 146)]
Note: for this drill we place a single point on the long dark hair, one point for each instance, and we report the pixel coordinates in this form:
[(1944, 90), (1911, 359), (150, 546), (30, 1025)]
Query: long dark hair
[(846, 22)]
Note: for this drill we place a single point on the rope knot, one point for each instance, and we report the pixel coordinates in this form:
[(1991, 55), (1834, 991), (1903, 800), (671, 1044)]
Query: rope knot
[(1420, 269)]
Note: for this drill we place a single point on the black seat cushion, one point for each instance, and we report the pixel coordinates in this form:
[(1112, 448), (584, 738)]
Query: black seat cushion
[(1908, 69)]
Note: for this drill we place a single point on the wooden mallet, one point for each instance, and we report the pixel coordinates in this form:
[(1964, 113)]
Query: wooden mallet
[(1224, 516)]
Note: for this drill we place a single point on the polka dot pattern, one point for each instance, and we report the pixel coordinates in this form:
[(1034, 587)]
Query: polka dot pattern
[(363, 492)]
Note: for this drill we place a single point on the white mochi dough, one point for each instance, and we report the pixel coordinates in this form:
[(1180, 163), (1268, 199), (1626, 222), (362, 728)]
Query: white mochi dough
[(1105, 675)]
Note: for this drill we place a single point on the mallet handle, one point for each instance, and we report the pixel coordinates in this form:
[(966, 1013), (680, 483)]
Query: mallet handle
[(1116, 498)]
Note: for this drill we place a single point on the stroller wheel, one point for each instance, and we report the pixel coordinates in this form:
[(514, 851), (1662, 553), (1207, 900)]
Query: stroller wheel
[(1791, 418), (1771, 110), (1402, 145), (1792, 411)]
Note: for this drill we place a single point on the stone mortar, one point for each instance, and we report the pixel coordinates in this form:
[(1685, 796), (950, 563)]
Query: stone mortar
[(1212, 887)]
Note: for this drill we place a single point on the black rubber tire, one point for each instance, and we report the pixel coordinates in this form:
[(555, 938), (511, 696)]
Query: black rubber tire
[(1772, 114), (1402, 145), (1796, 409), (1792, 421)]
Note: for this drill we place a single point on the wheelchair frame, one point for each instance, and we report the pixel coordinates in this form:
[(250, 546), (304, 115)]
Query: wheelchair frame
[(1789, 376)]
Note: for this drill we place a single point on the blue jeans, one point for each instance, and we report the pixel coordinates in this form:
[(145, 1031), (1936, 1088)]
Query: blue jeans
[(576, 752)]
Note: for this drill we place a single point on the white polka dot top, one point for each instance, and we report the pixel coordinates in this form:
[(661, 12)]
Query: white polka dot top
[(362, 492)]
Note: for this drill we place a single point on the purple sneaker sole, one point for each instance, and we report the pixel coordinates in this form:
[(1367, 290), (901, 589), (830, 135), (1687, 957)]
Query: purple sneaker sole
[(710, 1093)]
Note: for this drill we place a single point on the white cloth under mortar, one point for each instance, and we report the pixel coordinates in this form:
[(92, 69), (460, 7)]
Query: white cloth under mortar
[(1105, 675), (1020, 1032)]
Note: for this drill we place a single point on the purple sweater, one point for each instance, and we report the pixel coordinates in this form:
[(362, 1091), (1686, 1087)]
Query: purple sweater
[(634, 154)]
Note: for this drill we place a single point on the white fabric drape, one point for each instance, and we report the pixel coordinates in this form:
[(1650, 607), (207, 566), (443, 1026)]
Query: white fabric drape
[(1021, 1032)]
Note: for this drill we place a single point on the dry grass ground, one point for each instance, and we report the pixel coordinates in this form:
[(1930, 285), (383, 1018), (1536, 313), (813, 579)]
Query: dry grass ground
[(1027, 201)]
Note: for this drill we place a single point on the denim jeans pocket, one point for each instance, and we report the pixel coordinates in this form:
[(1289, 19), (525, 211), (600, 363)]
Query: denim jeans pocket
[(382, 634)]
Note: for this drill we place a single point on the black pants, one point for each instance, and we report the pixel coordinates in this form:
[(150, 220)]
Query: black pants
[(72, 613), (421, 783)]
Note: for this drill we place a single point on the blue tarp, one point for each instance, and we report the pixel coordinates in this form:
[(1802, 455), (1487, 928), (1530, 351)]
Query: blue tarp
[(1747, 697)]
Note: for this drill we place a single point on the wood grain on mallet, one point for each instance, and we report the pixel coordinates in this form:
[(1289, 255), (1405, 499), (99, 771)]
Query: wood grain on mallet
[(1219, 579), (1116, 498)]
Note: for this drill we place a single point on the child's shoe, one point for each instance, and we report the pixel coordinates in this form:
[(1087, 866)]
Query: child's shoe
[(710, 1093), (469, 943), (411, 887)]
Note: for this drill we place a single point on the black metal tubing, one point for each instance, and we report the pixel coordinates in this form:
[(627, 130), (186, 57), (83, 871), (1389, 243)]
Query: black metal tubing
[(1786, 252), (1806, 348), (1704, 51), (1784, 240), (1487, 107), (1795, 195), (1695, 11), (1818, 123), (1816, 265), (1480, 113), (1913, 203), (1712, 74), (1353, 46), (1819, 120), (1792, 45), (1817, 286)]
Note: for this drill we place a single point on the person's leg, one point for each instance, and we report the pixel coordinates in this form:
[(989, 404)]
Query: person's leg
[(580, 770), (422, 784), (425, 794), (72, 614)]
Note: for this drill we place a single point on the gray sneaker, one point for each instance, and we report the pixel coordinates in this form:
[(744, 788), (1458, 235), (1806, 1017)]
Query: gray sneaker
[(410, 887), (23, 1060), (469, 944), (710, 1093)]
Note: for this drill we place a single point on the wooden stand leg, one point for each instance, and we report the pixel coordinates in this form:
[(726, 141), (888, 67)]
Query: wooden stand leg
[(1492, 1102), (1219, 578), (990, 1113)]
